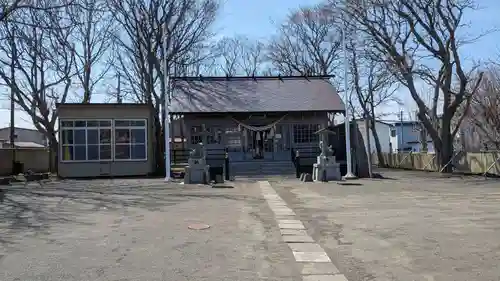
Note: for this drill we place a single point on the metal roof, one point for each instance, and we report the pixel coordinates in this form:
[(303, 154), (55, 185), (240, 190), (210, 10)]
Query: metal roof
[(253, 94)]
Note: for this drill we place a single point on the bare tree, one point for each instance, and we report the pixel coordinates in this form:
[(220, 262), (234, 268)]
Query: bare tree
[(43, 63), (309, 43), (240, 55), (481, 126), (10, 6), (413, 36), (93, 37), (229, 51), (252, 57), (373, 85), (183, 25)]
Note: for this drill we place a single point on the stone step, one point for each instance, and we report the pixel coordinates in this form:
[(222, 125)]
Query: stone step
[(262, 168)]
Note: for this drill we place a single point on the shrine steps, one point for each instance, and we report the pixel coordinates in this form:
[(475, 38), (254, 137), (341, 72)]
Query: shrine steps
[(260, 167)]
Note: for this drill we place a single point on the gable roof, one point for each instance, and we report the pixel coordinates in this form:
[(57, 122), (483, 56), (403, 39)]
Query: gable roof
[(253, 94)]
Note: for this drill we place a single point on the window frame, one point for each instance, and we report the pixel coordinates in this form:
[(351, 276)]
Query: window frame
[(298, 134), (146, 139), (86, 145)]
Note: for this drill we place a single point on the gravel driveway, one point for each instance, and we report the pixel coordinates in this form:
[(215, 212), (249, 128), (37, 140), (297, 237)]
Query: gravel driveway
[(414, 226), (138, 230)]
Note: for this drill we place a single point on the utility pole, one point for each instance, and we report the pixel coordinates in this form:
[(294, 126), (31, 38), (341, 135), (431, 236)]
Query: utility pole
[(166, 94), (402, 131), (12, 103), (368, 144), (118, 90)]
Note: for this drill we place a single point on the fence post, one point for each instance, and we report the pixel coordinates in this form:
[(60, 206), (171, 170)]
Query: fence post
[(297, 164), (226, 164)]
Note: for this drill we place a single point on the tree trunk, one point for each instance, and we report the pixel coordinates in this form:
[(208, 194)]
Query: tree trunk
[(445, 150), (378, 147), (160, 147), (423, 139), (53, 154)]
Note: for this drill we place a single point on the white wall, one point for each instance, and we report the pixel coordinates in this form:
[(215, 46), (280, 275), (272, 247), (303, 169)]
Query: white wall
[(406, 137), (384, 135)]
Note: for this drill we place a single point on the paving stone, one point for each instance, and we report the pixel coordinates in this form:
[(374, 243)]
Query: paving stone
[(297, 239), (278, 204), (311, 257), (293, 232), (279, 208), (336, 277), (284, 217), (306, 247), (288, 221), (318, 268), (292, 226), (284, 213)]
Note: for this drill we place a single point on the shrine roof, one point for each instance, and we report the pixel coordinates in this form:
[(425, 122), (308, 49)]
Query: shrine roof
[(254, 94)]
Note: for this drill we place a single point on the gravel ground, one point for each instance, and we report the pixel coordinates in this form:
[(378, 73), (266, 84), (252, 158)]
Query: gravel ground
[(138, 230), (413, 226)]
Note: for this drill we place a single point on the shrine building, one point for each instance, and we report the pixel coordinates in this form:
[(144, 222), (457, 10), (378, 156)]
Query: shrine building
[(260, 121)]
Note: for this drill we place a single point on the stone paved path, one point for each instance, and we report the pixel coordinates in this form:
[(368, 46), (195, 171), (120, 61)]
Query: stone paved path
[(314, 263)]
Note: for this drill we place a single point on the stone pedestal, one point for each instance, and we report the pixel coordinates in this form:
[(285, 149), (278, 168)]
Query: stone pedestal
[(197, 172), (326, 169)]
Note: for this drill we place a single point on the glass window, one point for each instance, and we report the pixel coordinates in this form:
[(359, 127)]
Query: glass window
[(130, 140), (92, 136), (138, 151), (305, 133), (138, 123), (105, 136), (65, 123), (80, 152), (80, 136), (105, 152), (122, 151), (138, 135), (122, 123), (196, 139), (85, 140), (105, 123), (196, 129), (80, 123), (67, 153), (93, 123), (93, 152), (122, 135), (67, 136)]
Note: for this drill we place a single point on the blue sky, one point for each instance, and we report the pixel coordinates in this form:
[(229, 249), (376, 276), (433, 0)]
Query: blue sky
[(257, 20)]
